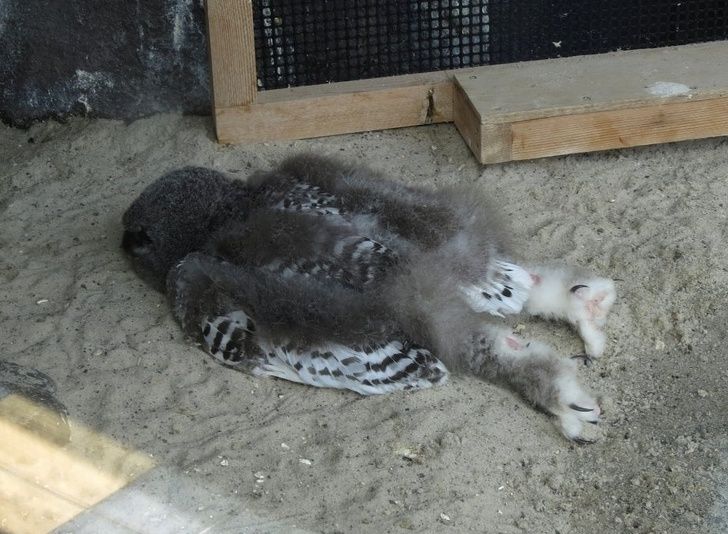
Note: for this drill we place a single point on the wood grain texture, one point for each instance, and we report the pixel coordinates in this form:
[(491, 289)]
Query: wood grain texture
[(600, 102), (599, 82), (466, 119), (232, 52), (331, 109), (43, 485), (603, 130)]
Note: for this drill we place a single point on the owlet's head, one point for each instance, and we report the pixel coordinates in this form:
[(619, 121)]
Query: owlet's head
[(176, 215)]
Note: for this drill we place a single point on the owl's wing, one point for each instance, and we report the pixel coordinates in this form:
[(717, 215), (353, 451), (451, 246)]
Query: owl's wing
[(295, 329), (380, 367), (303, 184), (411, 218), (305, 197), (310, 183), (353, 261), (305, 245)]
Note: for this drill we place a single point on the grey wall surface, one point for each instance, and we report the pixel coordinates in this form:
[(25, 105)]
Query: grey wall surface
[(104, 58)]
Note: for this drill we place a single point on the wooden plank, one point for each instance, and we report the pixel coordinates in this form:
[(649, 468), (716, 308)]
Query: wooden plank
[(232, 52), (466, 119), (42, 484), (598, 102), (587, 132), (29, 508), (346, 107)]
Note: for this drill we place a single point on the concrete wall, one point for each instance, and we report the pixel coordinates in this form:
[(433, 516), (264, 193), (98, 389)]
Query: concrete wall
[(104, 58)]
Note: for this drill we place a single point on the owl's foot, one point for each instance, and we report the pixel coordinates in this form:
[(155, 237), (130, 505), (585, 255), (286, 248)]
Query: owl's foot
[(573, 407), (536, 372), (590, 305), (503, 291), (583, 301)]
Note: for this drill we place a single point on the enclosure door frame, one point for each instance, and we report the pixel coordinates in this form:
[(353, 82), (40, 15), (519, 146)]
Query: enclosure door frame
[(468, 97)]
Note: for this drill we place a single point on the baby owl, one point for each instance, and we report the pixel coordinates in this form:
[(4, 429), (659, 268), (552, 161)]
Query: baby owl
[(328, 274)]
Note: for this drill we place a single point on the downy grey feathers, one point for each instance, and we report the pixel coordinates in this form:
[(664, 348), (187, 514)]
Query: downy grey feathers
[(331, 275)]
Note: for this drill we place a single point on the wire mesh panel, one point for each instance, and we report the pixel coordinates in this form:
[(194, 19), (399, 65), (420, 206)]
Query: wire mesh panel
[(300, 42), (304, 42), (528, 29)]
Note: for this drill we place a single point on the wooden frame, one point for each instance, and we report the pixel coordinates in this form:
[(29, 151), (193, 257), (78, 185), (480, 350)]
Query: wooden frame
[(504, 112)]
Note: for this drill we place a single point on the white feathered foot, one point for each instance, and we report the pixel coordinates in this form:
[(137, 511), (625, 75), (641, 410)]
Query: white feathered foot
[(503, 291), (538, 374), (580, 299)]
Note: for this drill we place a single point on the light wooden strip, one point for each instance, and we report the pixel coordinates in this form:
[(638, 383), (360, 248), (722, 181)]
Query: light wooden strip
[(43, 463), (232, 51), (598, 82), (666, 123), (504, 112), (332, 109), (81, 473), (27, 508), (467, 119), (588, 103)]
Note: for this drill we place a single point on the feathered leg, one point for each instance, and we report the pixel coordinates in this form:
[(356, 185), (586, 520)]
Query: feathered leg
[(578, 298), (534, 371), (503, 290)]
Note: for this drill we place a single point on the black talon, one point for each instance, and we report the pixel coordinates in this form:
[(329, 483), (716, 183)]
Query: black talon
[(588, 360), (579, 408), (582, 441), (577, 288)]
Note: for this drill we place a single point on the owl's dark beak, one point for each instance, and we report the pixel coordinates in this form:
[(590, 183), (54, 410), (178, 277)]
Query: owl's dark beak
[(136, 243)]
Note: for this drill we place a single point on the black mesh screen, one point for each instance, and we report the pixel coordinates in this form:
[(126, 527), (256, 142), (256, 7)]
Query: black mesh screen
[(305, 42)]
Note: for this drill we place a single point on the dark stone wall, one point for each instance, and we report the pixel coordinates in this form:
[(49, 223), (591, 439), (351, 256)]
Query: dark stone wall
[(103, 58)]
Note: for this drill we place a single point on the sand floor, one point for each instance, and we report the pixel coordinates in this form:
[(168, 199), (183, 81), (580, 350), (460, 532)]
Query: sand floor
[(228, 447)]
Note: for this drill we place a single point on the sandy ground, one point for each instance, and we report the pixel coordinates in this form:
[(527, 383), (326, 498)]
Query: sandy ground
[(228, 447)]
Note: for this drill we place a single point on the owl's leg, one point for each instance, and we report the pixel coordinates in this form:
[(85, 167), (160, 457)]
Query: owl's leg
[(580, 299), (503, 290), (533, 370), (200, 289)]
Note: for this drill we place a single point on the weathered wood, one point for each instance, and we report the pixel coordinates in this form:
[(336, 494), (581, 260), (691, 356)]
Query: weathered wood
[(466, 119), (598, 102), (232, 52), (345, 107), (42, 484), (603, 130), (28, 508), (504, 112)]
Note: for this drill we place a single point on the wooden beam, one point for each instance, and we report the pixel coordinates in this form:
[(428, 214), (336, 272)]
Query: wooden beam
[(604, 130), (44, 484), (232, 52), (598, 102), (339, 108)]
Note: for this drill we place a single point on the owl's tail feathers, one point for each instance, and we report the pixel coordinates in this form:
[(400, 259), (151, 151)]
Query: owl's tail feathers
[(504, 290), (370, 370)]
